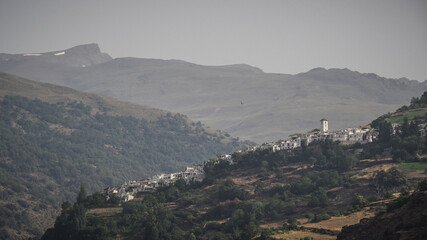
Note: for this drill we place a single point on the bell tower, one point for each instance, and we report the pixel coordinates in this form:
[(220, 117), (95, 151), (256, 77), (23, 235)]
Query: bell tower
[(324, 125)]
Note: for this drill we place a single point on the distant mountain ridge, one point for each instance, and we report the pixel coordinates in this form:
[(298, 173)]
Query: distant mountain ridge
[(79, 56), (240, 99)]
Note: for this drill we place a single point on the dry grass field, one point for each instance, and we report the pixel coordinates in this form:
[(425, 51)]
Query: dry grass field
[(368, 167), (292, 235), (336, 223), (106, 212)]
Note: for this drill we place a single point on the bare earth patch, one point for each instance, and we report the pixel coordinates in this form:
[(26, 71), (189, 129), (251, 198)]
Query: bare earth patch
[(291, 235), (277, 224), (368, 172), (336, 223), (246, 180), (105, 211)]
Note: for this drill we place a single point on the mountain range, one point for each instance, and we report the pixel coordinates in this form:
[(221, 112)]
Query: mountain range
[(239, 99)]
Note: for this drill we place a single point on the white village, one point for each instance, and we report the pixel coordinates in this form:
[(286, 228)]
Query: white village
[(345, 136), (128, 190)]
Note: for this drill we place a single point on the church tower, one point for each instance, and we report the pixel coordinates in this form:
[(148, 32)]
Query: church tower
[(324, 125)]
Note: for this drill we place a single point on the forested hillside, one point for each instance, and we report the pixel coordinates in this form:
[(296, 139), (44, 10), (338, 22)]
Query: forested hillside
[(311, 192), (264, 195), (47, 150)]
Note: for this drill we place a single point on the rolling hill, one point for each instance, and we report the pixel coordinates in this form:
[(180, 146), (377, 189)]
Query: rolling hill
[(240, 99), (54, 139)]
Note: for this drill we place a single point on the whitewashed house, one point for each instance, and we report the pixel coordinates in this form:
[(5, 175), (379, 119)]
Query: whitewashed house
[(128, 197)]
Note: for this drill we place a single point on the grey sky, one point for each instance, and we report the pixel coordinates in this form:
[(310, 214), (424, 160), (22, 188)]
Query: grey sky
[(384, 37)]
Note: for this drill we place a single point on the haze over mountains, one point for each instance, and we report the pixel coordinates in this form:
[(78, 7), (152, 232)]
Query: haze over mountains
[(54, 139), (239, 99)]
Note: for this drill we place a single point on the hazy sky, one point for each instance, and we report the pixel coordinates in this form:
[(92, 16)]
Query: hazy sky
[(384, 37)]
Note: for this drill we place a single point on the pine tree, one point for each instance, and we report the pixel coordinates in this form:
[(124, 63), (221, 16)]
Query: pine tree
[(82, 195)]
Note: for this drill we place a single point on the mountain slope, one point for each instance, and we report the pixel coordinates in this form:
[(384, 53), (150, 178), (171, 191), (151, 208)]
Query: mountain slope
[(14, 85), (264, 193), (405, 222), (311, 192), (54, 139), (240, 99)]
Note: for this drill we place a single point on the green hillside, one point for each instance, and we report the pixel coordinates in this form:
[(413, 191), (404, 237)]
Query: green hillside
[(416, 111), (55, 139), (312, 192), (264, 195)]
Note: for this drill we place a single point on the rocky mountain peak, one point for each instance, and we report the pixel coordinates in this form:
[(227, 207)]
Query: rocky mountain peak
[(85, 49), (78, 56)]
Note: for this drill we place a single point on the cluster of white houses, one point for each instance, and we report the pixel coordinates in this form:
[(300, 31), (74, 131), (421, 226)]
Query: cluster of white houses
[(128, 190), (345, 136)]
